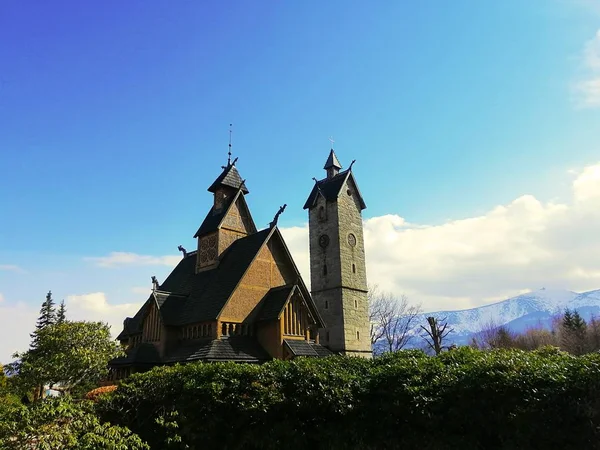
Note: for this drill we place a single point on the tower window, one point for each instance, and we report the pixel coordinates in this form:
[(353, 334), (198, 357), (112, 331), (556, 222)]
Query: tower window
[(358, 335), (355, 303), (353, 268), (349, 192), (328, 336), (322, 216), (326, 304), (325, 269)]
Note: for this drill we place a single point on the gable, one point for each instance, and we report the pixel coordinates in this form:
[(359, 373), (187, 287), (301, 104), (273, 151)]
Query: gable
[(351, 188), (267, 270), (207, 301), (152, 323), (238, 217), (272, 267)]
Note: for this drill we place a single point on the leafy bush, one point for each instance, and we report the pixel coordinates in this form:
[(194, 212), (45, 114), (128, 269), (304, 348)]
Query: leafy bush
[(61, 424), (465, 398)]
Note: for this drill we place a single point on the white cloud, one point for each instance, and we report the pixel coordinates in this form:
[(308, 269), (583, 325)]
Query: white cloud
[(463, 263), (588, 90), (95, 306), (16, 321), (141, 290), (119, 259), (11, 268)]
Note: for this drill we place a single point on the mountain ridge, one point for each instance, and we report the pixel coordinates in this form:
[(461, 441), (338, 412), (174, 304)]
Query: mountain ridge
[(528, 310)]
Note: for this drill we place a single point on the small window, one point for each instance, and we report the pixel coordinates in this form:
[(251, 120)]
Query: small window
[(322, 215), (355, 303), (326, 304), (349, 192), (325, 269), (353, 268), (328, 336), (358, 335)]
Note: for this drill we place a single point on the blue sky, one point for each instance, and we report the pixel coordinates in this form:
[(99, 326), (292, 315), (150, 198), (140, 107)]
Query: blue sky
[(114, 119)]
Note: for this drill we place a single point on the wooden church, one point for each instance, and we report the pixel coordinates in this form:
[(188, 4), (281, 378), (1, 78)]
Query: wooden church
[(240, 297)]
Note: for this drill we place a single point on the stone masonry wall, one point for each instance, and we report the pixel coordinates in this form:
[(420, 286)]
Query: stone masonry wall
[(341, 293), (353, 273)]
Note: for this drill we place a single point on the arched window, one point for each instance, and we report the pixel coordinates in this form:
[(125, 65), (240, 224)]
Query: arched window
[(324, 269)]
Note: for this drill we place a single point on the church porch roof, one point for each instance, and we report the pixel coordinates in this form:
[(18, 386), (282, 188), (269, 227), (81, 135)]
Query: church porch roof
[(307, 348)]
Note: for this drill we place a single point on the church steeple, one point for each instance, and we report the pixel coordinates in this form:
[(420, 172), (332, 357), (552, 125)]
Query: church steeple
[(228, 220), (226, 185), (332, 165)]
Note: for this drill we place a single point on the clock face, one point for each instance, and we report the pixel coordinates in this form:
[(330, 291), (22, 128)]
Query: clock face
[(351, 240), (324, 240)]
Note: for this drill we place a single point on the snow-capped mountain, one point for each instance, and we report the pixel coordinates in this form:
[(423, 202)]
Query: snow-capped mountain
[(519, 313)]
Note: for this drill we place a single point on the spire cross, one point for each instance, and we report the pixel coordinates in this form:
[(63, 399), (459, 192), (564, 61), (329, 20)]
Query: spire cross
[(229, 152), (332, 141)]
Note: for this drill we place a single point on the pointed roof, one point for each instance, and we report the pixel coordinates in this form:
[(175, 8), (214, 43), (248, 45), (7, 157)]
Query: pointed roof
[(332, 161), (214, 218), (330, 188), (229, 177)]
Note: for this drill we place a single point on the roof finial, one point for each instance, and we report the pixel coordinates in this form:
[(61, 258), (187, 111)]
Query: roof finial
[(332, 141), (229, 152), (281, 210), (351, 164), (182, 250), (154, 283)]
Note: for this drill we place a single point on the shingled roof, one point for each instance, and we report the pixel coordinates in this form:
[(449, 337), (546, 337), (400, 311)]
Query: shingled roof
[(330, 189), (212, 221), (274, 301), (143, 354), (190, 297), (234, 348), (332, 161), (306, 348), (229, 177)]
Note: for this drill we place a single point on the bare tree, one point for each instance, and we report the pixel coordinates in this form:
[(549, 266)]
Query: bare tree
[(493, 335), (435, 333), (392, 319), (593, 334)]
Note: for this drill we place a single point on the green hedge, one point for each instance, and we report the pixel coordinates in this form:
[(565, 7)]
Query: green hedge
[(463, 399)]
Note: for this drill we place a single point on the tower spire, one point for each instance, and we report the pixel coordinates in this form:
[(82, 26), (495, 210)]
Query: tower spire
[(332, 165), (229, 152)]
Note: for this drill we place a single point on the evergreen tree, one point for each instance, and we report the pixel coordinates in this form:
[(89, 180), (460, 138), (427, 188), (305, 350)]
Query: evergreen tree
[(573, 333), (578, 324), (61, 315), (47, 313), (47, 317), (567, 321)]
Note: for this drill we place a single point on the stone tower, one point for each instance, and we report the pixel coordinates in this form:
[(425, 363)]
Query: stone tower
[(337, 260)]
